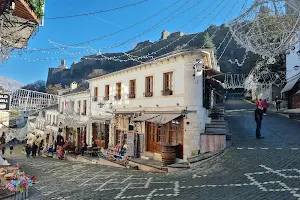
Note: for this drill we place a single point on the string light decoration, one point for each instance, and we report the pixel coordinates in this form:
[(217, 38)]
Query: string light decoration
[(261, 76), (267, 28)]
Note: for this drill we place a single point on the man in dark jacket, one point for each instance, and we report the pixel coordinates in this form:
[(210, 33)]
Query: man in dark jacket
[(258, 114)]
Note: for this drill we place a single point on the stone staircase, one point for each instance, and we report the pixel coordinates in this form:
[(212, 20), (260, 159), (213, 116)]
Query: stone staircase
[(216, 135)]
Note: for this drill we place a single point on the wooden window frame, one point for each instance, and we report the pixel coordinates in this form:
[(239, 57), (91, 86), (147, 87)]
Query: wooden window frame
[(149, 86), (132, 89), (84, 105), (78, 107), (95, 98), (118, 95), (106, 97), (168, 83)]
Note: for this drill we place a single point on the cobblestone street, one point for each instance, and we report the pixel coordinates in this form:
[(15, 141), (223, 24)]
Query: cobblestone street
[(250, 169)]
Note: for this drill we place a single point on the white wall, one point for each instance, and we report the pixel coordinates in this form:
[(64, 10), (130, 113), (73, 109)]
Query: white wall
[(292, 60), (187, 92), (4, 118)]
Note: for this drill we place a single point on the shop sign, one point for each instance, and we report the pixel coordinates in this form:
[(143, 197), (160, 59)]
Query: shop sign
[(4, 101)]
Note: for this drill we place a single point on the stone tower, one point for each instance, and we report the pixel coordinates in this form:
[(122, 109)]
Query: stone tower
[(164, 35)]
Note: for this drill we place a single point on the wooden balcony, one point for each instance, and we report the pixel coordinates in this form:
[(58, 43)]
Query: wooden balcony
[(23, 10)]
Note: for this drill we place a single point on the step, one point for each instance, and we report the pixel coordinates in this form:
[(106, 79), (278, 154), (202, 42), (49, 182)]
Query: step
[(215, 131)]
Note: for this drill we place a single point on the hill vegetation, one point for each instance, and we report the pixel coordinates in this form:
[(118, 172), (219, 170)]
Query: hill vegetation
[(88, 68)]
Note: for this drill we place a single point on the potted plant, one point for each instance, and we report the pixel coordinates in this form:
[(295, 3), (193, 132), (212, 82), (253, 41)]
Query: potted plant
[(167, 91)]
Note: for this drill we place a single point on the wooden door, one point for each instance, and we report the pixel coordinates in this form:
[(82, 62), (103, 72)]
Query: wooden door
[(106, 136), (153, 137)]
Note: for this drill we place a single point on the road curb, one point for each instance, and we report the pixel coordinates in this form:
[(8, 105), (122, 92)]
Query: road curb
[(218, 154)]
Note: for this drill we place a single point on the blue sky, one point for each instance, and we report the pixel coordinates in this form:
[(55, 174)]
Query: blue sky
[(80, 29)]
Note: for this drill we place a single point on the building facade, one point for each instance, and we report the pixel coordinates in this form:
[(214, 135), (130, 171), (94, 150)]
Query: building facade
[(292, 87), (160, 101)]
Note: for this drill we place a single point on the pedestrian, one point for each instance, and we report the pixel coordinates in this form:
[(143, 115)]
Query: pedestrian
[(277, 102), (3, 150), (28, 151), (265, 105), (258, 102), (83, 147), (11, 147), (258, 114)]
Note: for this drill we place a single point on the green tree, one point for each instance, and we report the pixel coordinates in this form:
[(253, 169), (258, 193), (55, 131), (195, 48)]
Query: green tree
[(38, 86), (53, 89), (208, 42)]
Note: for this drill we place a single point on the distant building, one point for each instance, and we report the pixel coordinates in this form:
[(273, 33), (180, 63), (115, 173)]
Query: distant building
[(292, 87)]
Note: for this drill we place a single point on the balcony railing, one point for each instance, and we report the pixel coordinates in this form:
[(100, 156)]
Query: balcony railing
[(131, 96), (167, 92), (148, 94), (95, 98), (117, 97), (106, 98)]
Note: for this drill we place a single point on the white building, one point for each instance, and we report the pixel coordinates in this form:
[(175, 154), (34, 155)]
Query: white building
[(74, 114), (160, 100), (292, 88)]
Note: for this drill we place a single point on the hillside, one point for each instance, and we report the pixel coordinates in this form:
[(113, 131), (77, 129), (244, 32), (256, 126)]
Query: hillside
[(81, 70), (9, 84)]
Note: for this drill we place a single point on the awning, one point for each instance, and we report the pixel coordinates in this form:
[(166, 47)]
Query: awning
[(163, 118), (290, 84), (99, 118), (145, 117)]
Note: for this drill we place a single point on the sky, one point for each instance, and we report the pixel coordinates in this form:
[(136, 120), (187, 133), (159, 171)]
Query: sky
[(29, 67)]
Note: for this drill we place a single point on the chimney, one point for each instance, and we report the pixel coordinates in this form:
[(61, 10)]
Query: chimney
[(73, 85)]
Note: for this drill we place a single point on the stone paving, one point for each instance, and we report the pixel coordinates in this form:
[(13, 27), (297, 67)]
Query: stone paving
[(250, 169)]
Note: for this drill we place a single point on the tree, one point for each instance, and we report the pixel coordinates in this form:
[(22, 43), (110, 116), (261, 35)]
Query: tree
[(53, 89), (208, 42), (38, 86), (96, 73)]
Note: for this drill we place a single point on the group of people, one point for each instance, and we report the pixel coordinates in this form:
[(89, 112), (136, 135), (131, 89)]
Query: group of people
[(33, 149)]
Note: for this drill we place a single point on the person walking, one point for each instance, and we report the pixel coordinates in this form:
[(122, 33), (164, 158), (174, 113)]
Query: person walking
[(258, 102), (11, 148), (258, 114), (277, 102), (28, 151), (3, 150), (265, 106)]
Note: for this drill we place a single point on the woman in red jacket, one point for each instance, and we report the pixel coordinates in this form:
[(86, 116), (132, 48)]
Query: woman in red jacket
[(265, 105)]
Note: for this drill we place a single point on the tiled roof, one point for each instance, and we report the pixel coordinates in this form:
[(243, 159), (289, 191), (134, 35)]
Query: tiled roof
[(80, 88)]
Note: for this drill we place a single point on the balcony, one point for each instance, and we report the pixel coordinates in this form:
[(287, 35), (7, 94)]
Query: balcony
[(95, 98), (131, 96), (106, 98), (29, 10), (117, 97), (167, 92), (148, 94)]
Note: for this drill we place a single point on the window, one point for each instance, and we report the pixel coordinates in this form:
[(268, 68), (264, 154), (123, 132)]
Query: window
[(62, 107), (132, 88), (84, 107), (168, 84), (106, 97), (149, 87), (95, 94), (118, 91), (79, 107)]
